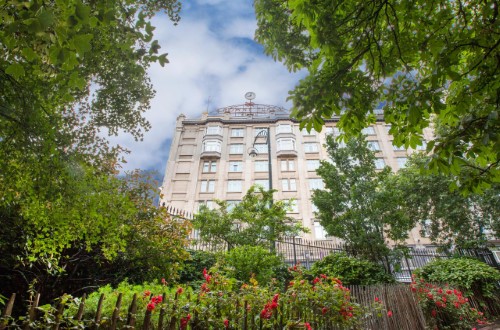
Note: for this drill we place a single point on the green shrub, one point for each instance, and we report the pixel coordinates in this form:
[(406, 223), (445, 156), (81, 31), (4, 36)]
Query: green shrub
[(469, 274), (243, 262), (351, 270), (192, 268)]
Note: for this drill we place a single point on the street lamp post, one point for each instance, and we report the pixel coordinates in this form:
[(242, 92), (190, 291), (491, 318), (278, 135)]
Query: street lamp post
[(253, 152)]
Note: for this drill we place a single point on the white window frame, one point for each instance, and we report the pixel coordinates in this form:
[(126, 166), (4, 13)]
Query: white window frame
[(236, 149), (264, 183), (313, 164), (402, 161), (237, 132), (257, 130), (319, 231), (311, 147), (235, 166), (373, 145), (261, 166), (231, 204), (213, 130), (286, 144), (379, 163), (306, 133), (287, 165), (316, 183), (209, 166), (207, 186), (293, 204), (212, 145), (261, 148), (284, 128), (234, 185), (289, 184)]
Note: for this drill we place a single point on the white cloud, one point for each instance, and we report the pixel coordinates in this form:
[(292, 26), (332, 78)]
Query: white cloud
[(207, 59)]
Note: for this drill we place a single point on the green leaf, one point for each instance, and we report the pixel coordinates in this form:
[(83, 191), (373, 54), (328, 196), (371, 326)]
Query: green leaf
[(82, 43), (16, 70), (82, 12)]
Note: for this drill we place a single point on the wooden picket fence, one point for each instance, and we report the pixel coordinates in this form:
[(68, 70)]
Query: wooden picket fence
[(406, 314)]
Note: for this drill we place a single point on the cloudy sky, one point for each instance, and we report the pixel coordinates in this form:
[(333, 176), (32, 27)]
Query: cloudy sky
[(212, 56)]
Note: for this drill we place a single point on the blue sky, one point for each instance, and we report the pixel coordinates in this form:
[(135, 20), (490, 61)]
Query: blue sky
[(212, 55)]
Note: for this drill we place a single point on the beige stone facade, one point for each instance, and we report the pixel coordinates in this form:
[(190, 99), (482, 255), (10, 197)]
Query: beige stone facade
[(209, 160)]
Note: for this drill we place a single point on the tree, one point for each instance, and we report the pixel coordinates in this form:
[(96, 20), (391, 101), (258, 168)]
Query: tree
[(355, 205), (422, 62), (256, 220), (449, 217)]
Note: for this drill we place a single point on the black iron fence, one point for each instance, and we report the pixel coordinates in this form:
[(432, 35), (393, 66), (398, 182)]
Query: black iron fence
[(306, 252)]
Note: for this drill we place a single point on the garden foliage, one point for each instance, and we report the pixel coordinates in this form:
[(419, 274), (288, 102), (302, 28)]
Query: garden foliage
[(351, 270)]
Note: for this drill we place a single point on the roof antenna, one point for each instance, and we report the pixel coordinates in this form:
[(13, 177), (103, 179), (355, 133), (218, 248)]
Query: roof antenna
[(208, 102)]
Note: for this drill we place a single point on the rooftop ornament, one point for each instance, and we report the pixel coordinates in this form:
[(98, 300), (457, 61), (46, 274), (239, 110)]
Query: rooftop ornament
[(251, 110)]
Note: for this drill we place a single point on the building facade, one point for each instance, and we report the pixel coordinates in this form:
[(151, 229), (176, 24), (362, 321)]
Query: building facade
[(209, 159)]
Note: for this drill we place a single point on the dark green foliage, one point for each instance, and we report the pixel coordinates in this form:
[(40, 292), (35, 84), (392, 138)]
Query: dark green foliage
[(351, 270), (193, 267), (469, 274), (245, 262)]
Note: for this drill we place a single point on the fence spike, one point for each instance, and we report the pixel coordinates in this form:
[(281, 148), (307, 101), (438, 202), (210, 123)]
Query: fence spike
[(81, 307), (116, 312), (98, 313), (132, 309)]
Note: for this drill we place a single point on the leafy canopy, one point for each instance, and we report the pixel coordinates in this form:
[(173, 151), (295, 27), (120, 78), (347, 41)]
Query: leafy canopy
[(421, 61), (356, 205), (256, 220)]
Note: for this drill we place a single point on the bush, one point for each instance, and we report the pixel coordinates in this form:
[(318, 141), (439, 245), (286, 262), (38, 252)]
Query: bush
[(246, 261), (351, 270), (445, 307), (193, 267), (471, 275)]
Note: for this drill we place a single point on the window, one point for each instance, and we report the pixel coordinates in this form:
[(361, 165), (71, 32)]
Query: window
[(368, 130), (261, 148), (292, 206), (289, 185), (379, 163), (286, 144), (427, 228), (337, 131), (423, 146), (396, 148), (287, 165), (237, 132), (314, 209), (402, 162), (373, 146), (316, 184), (312, 164), (311, 133), (236, 149), (234, 185), (387, 128), (209, 204), (257, 130), (207, 186), (212, 145), (311, 147), (319, 231), (214, 130), (231, 205), (284, 128), (261, 166), (209, 167), (263, 183), (235, 166)]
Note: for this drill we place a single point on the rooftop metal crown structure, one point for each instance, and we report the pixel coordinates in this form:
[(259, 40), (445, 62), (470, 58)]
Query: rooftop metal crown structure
[(250, 109)]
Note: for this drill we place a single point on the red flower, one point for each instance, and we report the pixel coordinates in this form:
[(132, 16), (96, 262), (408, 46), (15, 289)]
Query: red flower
[(180, 290), (389, 313), (185, 321), (316, 280), (226, 323), (323, 276), (307, 326), (377, 299), (434, 313), (163, 281), (151, 306), (324, 310), (147, 293), (266, 314), (276, 297), (157, 299)]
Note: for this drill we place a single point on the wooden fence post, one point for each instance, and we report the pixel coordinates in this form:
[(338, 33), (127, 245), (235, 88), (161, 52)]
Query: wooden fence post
[(162, 311), (59, 313), (81, 307), (97, 319), (131, 312), (7, 311), (32, 312), (116, 312), (147, 320)]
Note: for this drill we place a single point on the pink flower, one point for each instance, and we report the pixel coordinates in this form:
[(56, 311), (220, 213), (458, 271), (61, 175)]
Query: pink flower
[(163, 281), (377, 299), (151, 306), (307, 326), (226, 323), (185, 321), (389, 313)]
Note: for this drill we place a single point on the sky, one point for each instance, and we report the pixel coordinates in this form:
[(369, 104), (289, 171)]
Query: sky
[(213, 63)]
